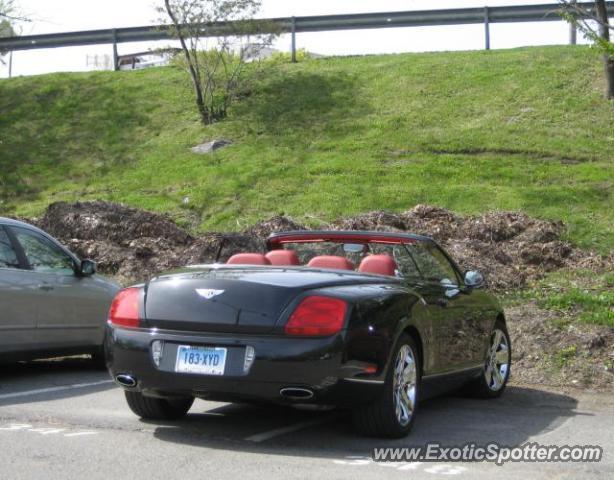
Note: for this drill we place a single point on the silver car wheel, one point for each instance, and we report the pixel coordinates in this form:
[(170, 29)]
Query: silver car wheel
[(497, 361), (404, 385)]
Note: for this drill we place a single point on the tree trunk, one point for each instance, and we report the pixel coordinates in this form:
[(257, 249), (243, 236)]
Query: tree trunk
[(198, 92), (608, 60), (609, 73)]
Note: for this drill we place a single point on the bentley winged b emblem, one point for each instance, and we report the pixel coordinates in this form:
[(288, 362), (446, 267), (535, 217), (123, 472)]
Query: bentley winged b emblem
[(208, 293)]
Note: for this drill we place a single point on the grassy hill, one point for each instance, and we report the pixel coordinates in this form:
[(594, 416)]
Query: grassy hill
[(523, 129)]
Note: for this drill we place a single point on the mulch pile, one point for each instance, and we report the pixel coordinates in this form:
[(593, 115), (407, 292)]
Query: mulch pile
[(131, 244), (509, 248)]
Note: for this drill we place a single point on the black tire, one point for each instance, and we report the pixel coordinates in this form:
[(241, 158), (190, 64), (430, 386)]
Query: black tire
[(99, 358), (480, 387), (151, 408), (379, 419)]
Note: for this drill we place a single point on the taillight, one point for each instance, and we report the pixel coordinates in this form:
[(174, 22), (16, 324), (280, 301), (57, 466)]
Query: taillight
[(317, 316), (124, 310)]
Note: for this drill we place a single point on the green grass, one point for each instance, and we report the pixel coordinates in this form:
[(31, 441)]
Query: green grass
[(563, 356), (576, 295), (523, 129), (587, 296)]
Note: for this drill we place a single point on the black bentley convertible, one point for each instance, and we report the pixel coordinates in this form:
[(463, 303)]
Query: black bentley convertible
[(369, 321)]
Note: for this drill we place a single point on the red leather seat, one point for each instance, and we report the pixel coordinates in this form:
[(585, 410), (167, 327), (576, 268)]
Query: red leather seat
[(248, 259), (380, 264), (283, 257), (331, 261)]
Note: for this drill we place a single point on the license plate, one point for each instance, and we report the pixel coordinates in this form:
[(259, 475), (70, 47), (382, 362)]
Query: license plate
[(202, 360)]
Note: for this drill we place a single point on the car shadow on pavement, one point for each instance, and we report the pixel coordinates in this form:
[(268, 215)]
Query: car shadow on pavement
[(51, 379), (518, 415)]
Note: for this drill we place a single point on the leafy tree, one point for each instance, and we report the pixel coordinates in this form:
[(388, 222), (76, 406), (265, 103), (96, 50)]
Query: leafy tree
[(10, 13), (9, 18), (595, 25), (6, 9), (6, 28), (216, 64)]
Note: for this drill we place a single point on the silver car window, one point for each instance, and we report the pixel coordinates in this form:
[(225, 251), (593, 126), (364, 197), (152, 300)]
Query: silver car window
[(42, 255), (8, 257)]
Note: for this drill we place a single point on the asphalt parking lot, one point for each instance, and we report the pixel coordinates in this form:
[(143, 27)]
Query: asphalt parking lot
[(65, 419)]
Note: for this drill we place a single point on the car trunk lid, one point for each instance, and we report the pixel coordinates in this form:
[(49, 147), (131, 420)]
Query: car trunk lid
[(240, 299)]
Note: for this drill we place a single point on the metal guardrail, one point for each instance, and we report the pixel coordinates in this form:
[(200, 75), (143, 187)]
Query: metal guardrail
[(294, 25)]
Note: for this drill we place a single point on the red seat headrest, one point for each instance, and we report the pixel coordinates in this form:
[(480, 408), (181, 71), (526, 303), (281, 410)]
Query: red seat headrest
[(380, 264), (331, 261), (248, 259), (283, 257)]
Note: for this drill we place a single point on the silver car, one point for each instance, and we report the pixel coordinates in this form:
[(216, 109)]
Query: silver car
[(51, 303)]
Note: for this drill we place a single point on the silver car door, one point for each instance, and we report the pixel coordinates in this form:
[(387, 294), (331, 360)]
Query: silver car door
[(17, 311), (71, 310)]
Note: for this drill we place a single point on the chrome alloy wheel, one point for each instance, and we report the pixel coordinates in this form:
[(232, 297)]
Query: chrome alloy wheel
[(497, 361), (404, 385)]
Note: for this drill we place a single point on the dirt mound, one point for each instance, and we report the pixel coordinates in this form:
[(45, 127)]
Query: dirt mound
[(501, 226), (378, 220), (219, 247), (132, 244), (433, 222), (509, 248), (105, 221), (278, 223), (128, 243)]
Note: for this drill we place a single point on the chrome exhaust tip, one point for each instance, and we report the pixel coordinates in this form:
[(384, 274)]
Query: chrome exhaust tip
[(126, 380), (295, 393)]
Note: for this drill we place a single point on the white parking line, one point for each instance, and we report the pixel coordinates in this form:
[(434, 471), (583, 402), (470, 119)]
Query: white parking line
[(79, 434), (434, 468), (53, 389), (47, 430), (260, 437), (25, 427)]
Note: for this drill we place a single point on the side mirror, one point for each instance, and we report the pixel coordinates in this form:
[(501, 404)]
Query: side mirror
[(87, 268), (474, 279)]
